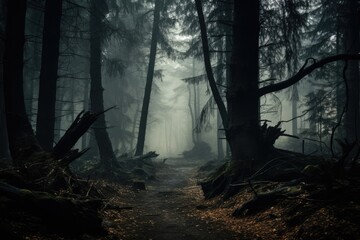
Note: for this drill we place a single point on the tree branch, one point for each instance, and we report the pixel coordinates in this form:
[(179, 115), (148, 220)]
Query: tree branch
[(304, 71)]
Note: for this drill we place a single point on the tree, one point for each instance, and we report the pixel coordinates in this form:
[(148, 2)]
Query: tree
[(49, 74), (242, 119), (97, 15), (4, 148), (21, 135), (352, 46), (149, 78)]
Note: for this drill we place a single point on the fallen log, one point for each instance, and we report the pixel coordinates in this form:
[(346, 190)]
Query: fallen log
[(148, 155)]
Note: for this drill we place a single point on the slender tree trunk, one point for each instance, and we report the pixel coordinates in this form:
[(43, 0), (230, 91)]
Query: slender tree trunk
[(195, 107), (107, 155), (198, 102), (294, 113), (48, 74), (4, 146), (133, 130), (84, 138), (228, 48), (149, 79), (21, 135), (217, 97), (58, 114), (191, 114), (196, 114), (220, 147), (243, 100), (352, 45)]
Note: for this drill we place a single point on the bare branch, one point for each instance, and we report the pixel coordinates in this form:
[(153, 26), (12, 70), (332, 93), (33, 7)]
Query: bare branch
[(304, 71)]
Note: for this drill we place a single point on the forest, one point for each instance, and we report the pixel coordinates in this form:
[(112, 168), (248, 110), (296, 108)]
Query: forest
[(170, 119)]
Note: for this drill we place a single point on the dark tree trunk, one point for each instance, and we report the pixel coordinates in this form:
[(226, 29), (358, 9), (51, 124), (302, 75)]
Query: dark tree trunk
[(84, 138), (294, 106), (191, 115), (33, 27), (241, 121), (21, 135), (149, 79), (352, 46), (4, 146), (217, 97), (243, 101), (107, 155), (48, 74), (219, 80)]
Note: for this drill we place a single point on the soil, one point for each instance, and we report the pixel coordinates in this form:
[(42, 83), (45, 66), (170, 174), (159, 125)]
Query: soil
[(164, 210), (173, 207)]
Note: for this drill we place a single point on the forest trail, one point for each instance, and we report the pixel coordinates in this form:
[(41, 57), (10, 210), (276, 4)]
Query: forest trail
[(164, 210)]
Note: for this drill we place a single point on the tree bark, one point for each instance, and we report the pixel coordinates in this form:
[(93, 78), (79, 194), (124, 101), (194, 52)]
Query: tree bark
[(21, 135), (48, 74), (107, 156), (352, 46), (149, 79), (4, 146), (243, 131)]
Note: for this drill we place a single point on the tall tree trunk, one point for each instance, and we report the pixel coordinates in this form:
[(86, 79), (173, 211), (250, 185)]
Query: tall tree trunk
[(84, 138), (134, 124), (352, 45), (107, 155), (33, 27), (217, 97), (4, 146), (294, 100), (198, 111), (195, 107), (228, 49), (191, 114), (219, 80), (48, 74), (149, 79), (243, 100), (58, 113), (21, 135)]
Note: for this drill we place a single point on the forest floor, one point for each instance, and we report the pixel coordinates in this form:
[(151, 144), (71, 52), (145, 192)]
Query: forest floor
[(166, 209), (173, 207)]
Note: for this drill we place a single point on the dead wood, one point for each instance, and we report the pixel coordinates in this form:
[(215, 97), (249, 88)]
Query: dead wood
[(148, 155), (81, 124)]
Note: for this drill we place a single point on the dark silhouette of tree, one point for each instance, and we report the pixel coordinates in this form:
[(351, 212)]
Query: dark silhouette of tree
[(4, 148), (247, 143), (352, 46), (98, 11), (49, 74), (149, 79), (21, 135)]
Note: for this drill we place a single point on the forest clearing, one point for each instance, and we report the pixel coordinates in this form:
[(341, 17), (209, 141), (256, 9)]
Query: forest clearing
[(170, 119)]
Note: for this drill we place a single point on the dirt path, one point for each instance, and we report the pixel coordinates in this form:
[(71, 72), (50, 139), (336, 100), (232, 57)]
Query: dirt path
[(163, 211)]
